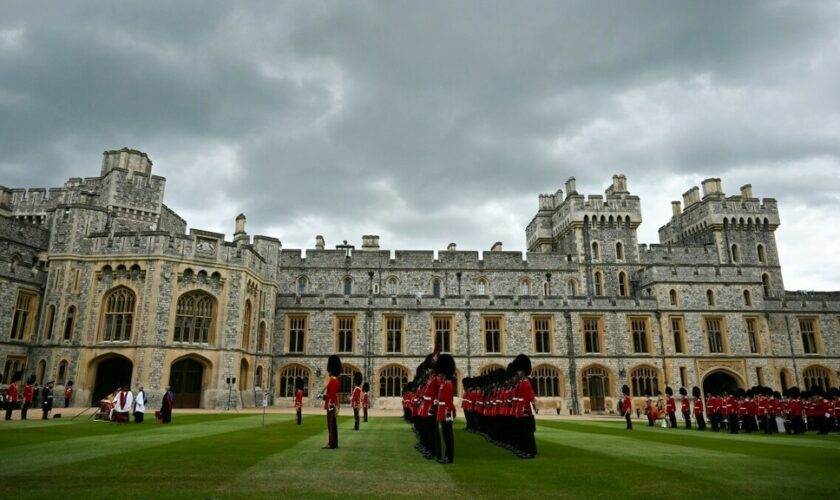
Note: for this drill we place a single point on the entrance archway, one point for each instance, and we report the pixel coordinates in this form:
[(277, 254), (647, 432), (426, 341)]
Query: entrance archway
[(185, 378), (719, 382), (112, 372)]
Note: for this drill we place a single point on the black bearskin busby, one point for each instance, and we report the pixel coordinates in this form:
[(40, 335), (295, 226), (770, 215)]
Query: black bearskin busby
[(522, 363), (334, 365), (357, 378), (669, 391), (299, 384), (683, 392), (695, 391), (625, 389), (366, 387), (446, 366)]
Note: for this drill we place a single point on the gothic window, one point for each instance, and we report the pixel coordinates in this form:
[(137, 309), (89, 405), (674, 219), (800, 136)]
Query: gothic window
[(762, 257), (639, 331), (443, 333), (492, 334), (118, 317), (592, 334), (644, 380), (61, 379), (258, 377), (288, 375), (345, 328), (69, 322), (622, 284), (747, 298), (677, 330), (547, 381), (488, 369), (572, 288), (525, 287), (736, 254), (436, 288), (301, 286), (619, 251), (393, 334), (751, 325), (41, 370), (817, 376), (392, 378), (673, 295), (297, 333), (261, 337), (23, 316), (392, 286), (765, 283), (710, 297), (48, 329), (596, 251), (482, 287), (246, 325), (542, 334), (808, 332), (348, 286), (714, 334), (599, 283), (194, 318)]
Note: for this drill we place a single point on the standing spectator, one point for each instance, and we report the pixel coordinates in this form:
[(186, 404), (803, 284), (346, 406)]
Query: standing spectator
[(166, 406), (12, 398), (68, 394), (140, 406), (47, 396)]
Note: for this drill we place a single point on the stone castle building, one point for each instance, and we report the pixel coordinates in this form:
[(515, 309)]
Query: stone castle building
[(100, 283)]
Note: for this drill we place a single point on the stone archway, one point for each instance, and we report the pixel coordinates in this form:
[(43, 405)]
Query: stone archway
[(186, 378), (112, 371), (721, 381)]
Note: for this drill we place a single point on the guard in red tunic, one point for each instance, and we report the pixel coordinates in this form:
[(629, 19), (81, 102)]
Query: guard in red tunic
[(356, 399), (365, 400), (671, 407), (429, 392), (685, 407), (527, 404), (331, 403), (28, 392), (698, 408), (627, 406), (12, 398), (445, 414), (299, 399)]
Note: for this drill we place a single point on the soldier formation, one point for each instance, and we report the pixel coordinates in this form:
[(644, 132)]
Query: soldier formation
[(14, 397)]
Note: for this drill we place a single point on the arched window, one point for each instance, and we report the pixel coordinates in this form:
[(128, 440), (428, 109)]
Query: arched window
[(572, 287), (599, 283), (595, 381), (525, 287), (673, 295), (258, 377), (436, 288), (765, 283), (61, 378), (301, 285), (487, 369), (783, 380), (391, 381), (118, 315), (348, 285), (710, 297), (548, 381), (195, 318), (596, 251), (736, 254), (22, 319), (762, 257), (261, 337), (619, 251), (243, 375), (622, 284), (246, 325), (392, 286), (287, 376), (817, 376), (39, 373), (747, 298), (644, 380), (69, 322), (48, 328), (481, 286)]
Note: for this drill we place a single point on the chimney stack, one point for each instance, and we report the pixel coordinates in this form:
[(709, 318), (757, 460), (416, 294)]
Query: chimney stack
[(370, 242), (497, 247), (746, 192), (676, 208)]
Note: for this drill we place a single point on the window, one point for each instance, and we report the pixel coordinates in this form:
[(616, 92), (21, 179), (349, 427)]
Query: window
[(619, 251), (644, 380), (673, 296), (762, 257), (345, 326), (714, 334), (542, 334), (710, 297), (392, 286), (443, 333), (40, 371), (22, 319), (297, 333), (596, 251), (49, 323), (288, 375), (765, 284), (77, 281), (736, 255), (118, 316), (808, 331), (525, 287), (547, 381), (246, 326), (392, 378), (482, 287), (194, 318), (683, 377), (393, 334), (69, 322), (599, 283), (61, 378), (436, 288), (572, 287), (817, 376), (492, 334), (622, 284), (592, 330), (261, 337), (13, 366), (348, 286), (677, 330), (301, 286), (751, 325), (759, 375), (639, 331), (747, 298)]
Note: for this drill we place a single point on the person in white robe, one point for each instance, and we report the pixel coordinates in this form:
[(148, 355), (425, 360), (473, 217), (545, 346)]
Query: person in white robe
[(122, 404), (139, 406)]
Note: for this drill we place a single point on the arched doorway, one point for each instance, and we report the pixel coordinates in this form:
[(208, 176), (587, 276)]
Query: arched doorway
[(111, 372), (243, 375), (719, 382), (595, 383), (185, 378)]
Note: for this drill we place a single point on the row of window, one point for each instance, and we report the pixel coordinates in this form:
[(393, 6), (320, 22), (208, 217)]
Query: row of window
[(735, 253), (711, 298)]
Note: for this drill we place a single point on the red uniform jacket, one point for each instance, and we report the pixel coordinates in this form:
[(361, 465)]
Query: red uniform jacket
[(684, 406), (356, 400), (446, 401), (366, 400), (626, 405), (526, 396), (430, 392), (670, 405), (698, 406), (299, 399), (331, 394), (13, 392), (27, 393)]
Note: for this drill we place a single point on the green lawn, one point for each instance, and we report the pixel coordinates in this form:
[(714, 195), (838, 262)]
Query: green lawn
[(225, 456)]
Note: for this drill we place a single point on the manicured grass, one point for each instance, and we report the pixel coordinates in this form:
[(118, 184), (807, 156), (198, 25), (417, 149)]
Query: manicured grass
[(227, 456)]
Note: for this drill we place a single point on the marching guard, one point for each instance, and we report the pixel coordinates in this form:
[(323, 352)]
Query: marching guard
[(299, 399), (331, 404), (445, 413), (698, 408), (627, 406), (365, 400), (685, 407), (671, 408), (356, 400)]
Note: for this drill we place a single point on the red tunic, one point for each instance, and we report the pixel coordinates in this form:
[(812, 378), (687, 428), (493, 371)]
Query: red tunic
[(366, 400), (446, 402), (299, 398), (27, 393), (684, 406), (331, 394), (626, 405), (698, 406), (670, 405), (430, 392), (526, 396), (13, 392), (356, 400)]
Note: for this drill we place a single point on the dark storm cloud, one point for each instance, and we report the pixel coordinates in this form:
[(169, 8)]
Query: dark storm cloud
[(430, 122)]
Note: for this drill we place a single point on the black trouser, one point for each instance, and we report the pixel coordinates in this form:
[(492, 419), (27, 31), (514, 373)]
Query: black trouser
[(627, 418), (364, 410), (332, 428), (138, 417), (299, 414), (10, 407), (46, 408), (530, 444), (733, 423), (715, 419), (701, 422), (434, 436), (672, 416), (24, 409), (355, 419), (687, 418), (448, 440), (66, 403)]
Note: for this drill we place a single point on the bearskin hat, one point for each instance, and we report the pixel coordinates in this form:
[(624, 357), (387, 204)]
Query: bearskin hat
[(299, 383), (446, 365), (510, 372), (741, 393), (777, 394), (366, 387), (522, 363), (430, 361), (695, 391), (69, 383), (793, 392), (31, 379), (357, 378), (669, 391), (625, 389), (683, 391), (334, 365), (834, 392)]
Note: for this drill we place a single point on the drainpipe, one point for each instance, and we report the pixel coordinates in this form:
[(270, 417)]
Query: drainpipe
[(570, 343)]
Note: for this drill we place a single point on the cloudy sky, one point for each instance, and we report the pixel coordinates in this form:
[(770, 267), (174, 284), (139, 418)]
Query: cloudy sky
[(433, 122)]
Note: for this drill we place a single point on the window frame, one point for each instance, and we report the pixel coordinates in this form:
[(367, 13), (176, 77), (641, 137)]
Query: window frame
[(303, 333), (549, 331), (599, 334), (724, 335), (434, 330), (817, 337), (648, 333), (753, 337), (500, 331), (338, 330), (386, 331), (681, 348), (21, 331)]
